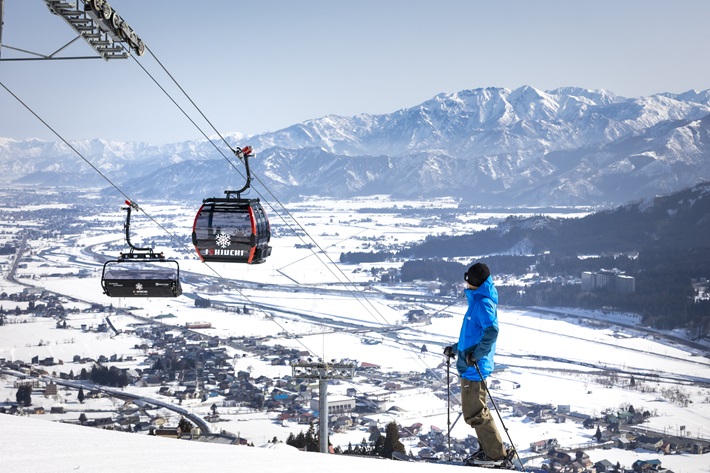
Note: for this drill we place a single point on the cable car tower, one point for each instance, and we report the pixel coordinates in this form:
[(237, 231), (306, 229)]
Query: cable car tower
[(232, 229), (141, 272), (97, 23), (323, 372)]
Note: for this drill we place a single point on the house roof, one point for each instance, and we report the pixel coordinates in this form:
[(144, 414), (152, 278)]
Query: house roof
[(648, 439), (652, 462)]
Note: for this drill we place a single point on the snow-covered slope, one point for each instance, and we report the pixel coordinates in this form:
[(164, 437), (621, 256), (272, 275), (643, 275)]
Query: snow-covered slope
[(34, 446)]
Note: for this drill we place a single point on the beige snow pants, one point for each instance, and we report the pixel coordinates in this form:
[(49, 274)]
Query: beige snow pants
[(477, 415)]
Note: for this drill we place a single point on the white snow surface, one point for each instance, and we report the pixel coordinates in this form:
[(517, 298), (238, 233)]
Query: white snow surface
[(30, 445), (534, 347)]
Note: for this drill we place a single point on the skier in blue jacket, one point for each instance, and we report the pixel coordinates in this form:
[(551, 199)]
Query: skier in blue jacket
[(476, 346)]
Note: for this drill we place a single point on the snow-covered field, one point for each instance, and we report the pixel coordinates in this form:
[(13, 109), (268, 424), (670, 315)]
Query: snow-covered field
[(309, 301)]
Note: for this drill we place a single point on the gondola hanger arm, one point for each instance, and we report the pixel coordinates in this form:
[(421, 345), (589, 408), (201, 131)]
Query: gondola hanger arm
[(243, 154), (127, 227)]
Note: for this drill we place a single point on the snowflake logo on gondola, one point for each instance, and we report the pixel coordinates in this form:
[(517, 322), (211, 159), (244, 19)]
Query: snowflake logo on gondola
[(223, 240)]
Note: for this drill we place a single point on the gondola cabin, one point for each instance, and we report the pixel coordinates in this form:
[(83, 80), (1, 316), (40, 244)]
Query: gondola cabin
[(141, 272), (131, 277), (231, 230)]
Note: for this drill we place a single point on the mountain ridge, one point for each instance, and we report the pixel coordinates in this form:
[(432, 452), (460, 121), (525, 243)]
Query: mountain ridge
[(492, 146), (679, 220)]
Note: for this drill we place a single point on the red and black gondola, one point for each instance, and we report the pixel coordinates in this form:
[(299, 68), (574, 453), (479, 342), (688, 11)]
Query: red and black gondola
[(232, 229)]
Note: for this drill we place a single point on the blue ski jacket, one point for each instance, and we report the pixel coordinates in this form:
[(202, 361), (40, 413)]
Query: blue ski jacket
[(479, 332)]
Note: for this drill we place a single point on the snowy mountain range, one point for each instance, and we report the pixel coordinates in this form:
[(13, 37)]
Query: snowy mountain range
[(493, 146)]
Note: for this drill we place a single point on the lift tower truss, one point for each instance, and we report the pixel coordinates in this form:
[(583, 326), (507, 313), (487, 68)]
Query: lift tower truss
[(323, 372), (98, 24)]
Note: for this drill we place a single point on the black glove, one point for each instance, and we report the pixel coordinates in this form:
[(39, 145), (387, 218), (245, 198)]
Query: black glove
[(470, 359), (449, 351)]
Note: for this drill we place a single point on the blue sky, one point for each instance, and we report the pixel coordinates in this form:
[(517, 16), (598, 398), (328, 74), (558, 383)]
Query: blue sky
[(263, 65)]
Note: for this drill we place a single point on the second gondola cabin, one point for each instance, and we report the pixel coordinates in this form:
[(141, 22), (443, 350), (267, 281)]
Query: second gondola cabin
[(231, 230), (129, 277), (141, 272)]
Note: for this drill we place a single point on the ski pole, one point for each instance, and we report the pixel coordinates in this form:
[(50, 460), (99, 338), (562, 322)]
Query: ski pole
[(485, 385), (448, 405)]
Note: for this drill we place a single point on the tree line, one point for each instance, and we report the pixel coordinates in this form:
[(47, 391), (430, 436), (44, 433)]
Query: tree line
[(664, 294), (379, 445), (108, 376)]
